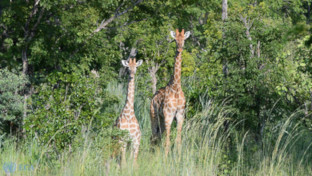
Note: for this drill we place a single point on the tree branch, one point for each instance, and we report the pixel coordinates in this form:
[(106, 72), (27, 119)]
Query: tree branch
[(104, 23), (27, 31), (34, 28), (248, 24)]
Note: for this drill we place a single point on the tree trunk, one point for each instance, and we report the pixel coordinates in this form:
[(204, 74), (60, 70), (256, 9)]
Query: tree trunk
[(24, 73), (152, 71), (224, 10), (248, 24), (154, 82), (224, 18), (224, 62), (307, 6), (261, 122), (252, 51), (25, 61), (203, 20)]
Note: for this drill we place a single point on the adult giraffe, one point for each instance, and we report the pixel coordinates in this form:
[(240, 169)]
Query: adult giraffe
[(169, 102), (127, 120)]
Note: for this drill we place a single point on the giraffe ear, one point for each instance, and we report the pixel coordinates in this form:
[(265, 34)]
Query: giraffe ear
[(173, 34), (187, 34), (139, 63), (125, 63)]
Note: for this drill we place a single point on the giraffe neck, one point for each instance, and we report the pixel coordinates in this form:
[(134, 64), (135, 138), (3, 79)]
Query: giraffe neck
[(176, 82), (130, 92)]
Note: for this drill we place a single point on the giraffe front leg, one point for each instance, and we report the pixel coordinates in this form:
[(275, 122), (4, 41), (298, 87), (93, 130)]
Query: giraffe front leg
[(136, 147), (180, 119), (168, 121), (154, 127)]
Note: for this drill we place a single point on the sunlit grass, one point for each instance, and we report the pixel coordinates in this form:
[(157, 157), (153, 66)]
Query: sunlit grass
[(204, 150)]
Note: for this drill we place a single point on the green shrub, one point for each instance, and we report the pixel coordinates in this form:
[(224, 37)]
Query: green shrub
[(67, 107), (11, 102)]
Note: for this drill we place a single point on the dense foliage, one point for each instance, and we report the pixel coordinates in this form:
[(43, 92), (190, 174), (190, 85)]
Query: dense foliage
[(11, 102)]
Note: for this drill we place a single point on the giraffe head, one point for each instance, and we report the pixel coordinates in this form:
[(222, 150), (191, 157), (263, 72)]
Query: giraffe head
[(180, 37), (132, 64)]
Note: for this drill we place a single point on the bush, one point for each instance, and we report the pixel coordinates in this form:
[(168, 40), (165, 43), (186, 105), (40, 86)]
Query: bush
[(67, 107), (11, 102)]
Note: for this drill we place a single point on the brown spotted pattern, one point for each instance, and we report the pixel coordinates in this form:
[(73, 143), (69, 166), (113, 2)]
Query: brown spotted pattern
[(127, 120), (169, 102)]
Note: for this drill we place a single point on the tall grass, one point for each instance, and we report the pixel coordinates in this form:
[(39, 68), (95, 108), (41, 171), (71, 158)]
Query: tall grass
[(205, 149)]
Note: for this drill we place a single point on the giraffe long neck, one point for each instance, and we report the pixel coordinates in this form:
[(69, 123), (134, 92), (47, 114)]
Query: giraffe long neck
[(177, 70), (130, 93)]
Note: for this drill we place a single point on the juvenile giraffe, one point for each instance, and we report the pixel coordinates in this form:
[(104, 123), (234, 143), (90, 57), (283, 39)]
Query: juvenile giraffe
[(169, 102), (127, 120)]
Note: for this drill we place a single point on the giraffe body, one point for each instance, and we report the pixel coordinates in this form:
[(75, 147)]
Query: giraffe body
[(127, 120), (169, 102)]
